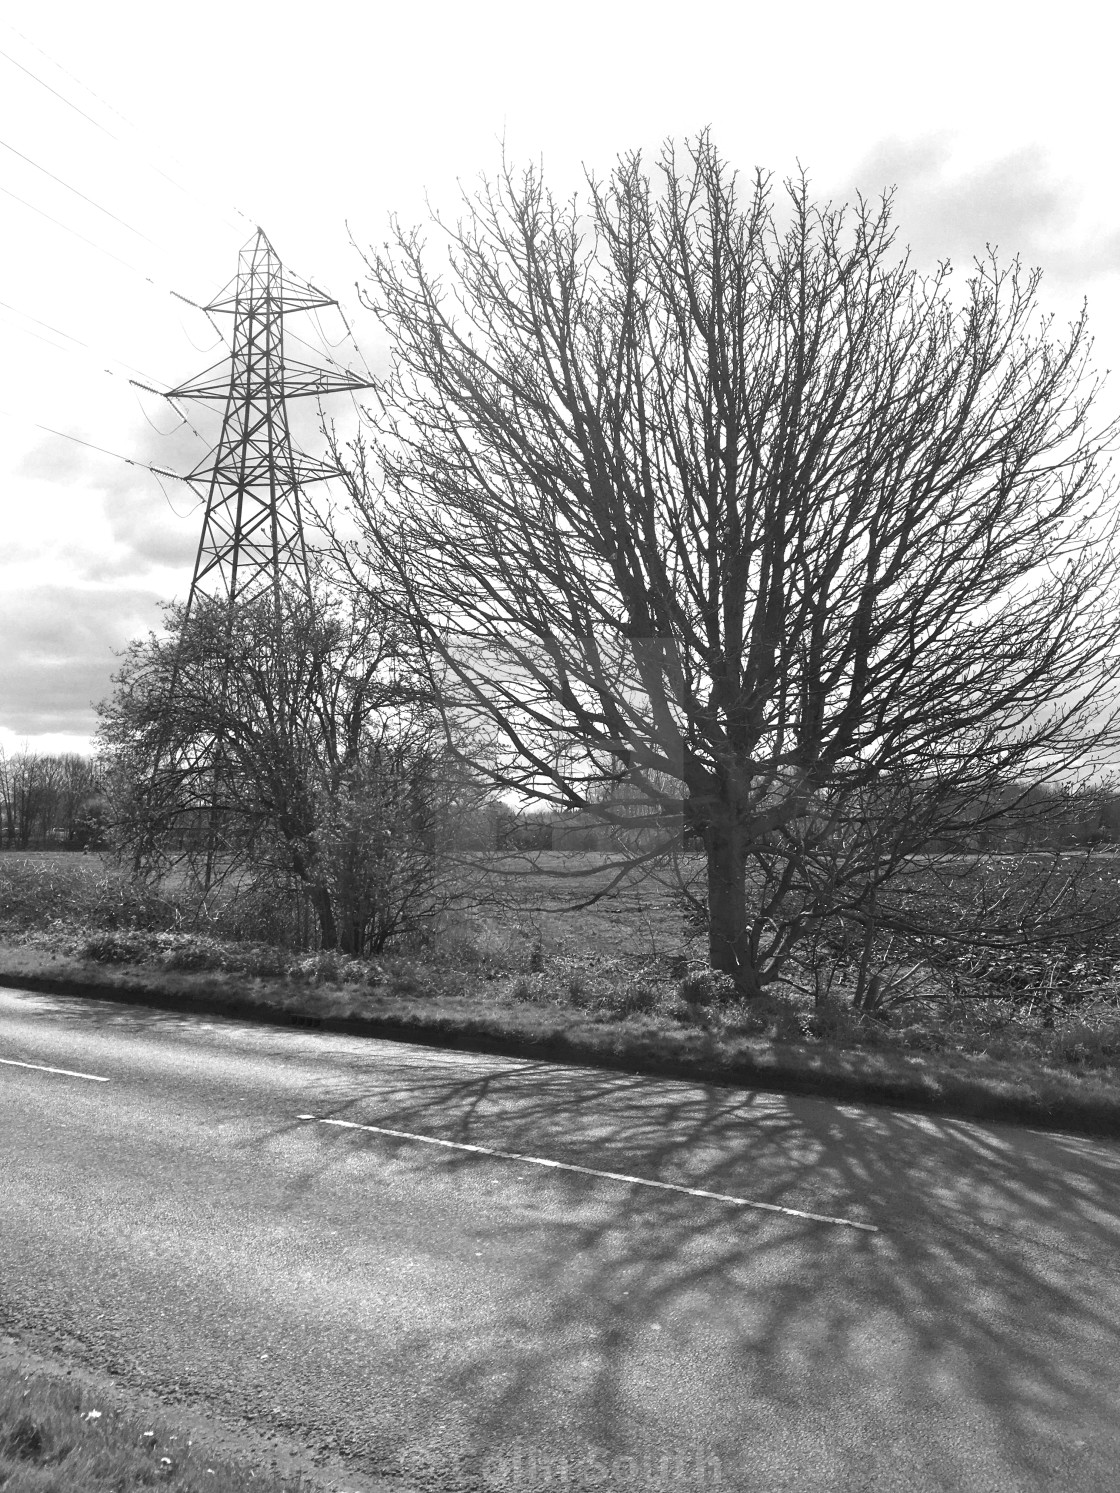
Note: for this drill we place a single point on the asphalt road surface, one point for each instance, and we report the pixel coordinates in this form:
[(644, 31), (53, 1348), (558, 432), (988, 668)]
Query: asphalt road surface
[(450, 1318)]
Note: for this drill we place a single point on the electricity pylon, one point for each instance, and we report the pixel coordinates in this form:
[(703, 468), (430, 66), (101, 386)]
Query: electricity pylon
[(252, 534), (252, 543)]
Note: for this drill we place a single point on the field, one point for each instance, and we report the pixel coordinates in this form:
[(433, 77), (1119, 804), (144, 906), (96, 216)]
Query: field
[(631, 958)]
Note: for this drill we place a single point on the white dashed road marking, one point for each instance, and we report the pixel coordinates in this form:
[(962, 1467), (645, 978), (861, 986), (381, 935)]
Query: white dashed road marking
[(591, 1171), (42, 1068)]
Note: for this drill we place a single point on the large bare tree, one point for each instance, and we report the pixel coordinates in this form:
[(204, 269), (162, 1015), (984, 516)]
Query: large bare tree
[(704, 488)]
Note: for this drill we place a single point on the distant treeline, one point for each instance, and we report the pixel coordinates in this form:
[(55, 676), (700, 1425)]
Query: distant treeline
[(1018, 819), (1045, 818), (50, 801)]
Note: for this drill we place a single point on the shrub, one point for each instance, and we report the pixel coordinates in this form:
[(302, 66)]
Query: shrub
[(783, 1022), (686, 1012), (470, 945), (833, 1021), (80, 890), (324, 968), (192, 951), (635, 999), (708, 987), (1087, 1045), (577, 989), (523, 989), (117, 948)]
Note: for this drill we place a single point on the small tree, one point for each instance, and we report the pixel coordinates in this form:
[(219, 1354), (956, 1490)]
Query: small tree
[(255, 750), (679, 489)]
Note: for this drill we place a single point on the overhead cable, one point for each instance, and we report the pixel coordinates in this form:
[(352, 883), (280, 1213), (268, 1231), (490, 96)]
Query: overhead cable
[(30, 332), (147, 279), (93, 245), (58, 331), (45, 324), (184, 418), (69, 102), (77, 193), (147, 160), (104, 451)]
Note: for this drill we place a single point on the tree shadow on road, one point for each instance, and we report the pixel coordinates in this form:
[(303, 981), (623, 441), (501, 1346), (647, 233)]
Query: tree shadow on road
[(974, 1341)]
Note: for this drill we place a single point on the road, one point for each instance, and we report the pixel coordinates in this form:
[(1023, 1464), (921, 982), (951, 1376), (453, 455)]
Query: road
[(449, 1318)]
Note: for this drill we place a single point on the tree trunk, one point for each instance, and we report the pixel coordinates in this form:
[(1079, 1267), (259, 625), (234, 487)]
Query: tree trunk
[(324, 911), (729, 942), (350, 934)]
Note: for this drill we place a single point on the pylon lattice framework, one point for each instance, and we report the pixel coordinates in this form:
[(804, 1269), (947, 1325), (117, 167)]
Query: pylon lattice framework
[(252, 534)]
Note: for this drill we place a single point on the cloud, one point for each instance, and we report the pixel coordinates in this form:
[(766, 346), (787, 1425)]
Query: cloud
[(17, 550), (100, 520), (1013, 203), (58, 645), (52, 460), (147, 531), (1099, 257)]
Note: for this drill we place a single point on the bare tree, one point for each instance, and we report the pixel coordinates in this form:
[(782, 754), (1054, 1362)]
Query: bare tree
[(7, 801), (682, 484), (32, 783), (289, 753)]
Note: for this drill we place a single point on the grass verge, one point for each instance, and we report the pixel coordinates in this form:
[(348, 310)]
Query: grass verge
[(58, 1436), (640, 1029), (614, 984)]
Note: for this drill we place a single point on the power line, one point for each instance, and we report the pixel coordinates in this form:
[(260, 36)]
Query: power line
[(184, 419), (104, 451), (58, 331), (28, 332), (147, 279), (348, 333), (100, 208), (157, 472), (290, 336), (167, 500), (179, 296), (66, 227), (354, 340), (221, 342), (69, 102), (147, 160), (322, 333), (54, 62), (45, 324)]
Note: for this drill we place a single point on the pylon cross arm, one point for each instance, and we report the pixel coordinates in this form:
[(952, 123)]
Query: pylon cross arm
[(302, 378)]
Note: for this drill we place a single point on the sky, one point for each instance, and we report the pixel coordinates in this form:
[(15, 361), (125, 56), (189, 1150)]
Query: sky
[(141, 145)]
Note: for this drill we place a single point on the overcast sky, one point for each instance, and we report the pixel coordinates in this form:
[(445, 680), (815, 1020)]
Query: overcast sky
[(141, 143)]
